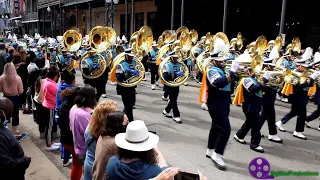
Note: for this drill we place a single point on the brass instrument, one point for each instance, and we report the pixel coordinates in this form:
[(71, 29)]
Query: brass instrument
[(132, 42), (163, 50), (201, 59), (237, 42), (208, 42), (296, 45), (133, 80), (270, 45), (179, 80), (260, 45), (194, 36), (100, 39), (144, 41), (294, 77), (251, 47), (316, 81), (141, 42), (72, 41)]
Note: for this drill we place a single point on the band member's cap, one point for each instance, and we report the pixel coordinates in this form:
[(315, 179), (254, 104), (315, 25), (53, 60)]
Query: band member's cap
[(128, 50), (232, 48), (30, 45), (38, 46), (154, 44), (64, 50), (50, 47), (91, 50), (268, 61), (173, 54)]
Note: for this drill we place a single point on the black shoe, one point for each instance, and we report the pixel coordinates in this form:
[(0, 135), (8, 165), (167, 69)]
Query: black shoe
[(262, 136), (258, 149), (307, 124), (241, 141)]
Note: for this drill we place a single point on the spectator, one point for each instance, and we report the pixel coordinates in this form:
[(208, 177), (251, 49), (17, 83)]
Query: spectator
[(116, 122), (50, 89), (2, 57), (9, 58), (38, 100), (13, 162), (11, 86), (66, 137), (138, 156), (96, 128), (69, 81), (80, 115)]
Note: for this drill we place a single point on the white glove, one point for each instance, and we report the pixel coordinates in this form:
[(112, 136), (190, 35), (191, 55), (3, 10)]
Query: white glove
[(267, 75), (315, 75), (234, 66)]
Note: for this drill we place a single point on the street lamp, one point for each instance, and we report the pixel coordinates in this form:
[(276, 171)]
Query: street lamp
[(51, 21), (49, 9), (113, 4)]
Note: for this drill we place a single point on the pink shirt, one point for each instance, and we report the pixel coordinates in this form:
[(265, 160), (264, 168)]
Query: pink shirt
[(10, 90), (50, 89), (79, 120)]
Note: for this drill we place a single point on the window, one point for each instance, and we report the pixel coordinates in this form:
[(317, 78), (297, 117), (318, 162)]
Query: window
[(122, 25), (139, 21), (150, 19)]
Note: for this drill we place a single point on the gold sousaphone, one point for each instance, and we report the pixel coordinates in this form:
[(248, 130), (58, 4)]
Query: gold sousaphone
[(184, 68), (142, 42), (72, 41), (100, 39)]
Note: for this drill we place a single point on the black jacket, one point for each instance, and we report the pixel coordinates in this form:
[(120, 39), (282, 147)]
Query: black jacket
[(64, 121), (13, 162)]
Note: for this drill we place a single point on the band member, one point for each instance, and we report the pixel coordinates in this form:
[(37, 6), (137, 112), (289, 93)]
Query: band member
[(171, 71), (106, 73), (316, 113), (232, 53), (153, 66), (125, 70), (218, 97), (288, 63), (268, 110), (165, 95), (299, 100), (39, 51), (251, 107), (90, 64)]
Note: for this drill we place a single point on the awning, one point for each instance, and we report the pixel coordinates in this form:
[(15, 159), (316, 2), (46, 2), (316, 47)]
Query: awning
[(31, 21), (15, 18)]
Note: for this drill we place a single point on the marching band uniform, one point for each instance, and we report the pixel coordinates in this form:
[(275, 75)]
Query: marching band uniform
[(153, 66), (268, 110), (165, 95), (316, 113), (90, 64), (218, 101), (39, 51), (124, 71), (171, 71), (231, 54), (252, 93), (299, 100)]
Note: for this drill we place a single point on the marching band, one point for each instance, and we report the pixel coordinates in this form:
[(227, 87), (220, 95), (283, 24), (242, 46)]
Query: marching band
[(259, 75)]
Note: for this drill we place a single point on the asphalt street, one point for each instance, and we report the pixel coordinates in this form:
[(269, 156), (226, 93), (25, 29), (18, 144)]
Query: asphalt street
[(184, 145)]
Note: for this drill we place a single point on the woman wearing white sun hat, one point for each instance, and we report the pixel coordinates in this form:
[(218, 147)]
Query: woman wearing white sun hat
[(138, 156)]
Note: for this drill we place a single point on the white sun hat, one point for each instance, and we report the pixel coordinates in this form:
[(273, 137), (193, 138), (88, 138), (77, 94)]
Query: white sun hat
[(137, 138)]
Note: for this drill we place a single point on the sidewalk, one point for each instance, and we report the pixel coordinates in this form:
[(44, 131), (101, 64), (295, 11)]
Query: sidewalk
[(41, 168)]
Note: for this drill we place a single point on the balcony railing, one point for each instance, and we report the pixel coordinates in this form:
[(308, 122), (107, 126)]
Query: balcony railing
[(30, 16), (42, 2), (73, 1)]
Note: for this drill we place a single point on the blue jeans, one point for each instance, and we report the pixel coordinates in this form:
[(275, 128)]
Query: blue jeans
[(65, 154)]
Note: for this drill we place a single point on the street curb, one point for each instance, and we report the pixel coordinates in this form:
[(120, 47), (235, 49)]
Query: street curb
[(40, 167)]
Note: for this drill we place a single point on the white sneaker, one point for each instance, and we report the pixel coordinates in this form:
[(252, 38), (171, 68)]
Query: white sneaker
[(258, 149), (218, 161), (210, 152), (279, 97), (104, 96), (56, 144), (67, 163), (275, 138), (177, 120), (279, 126), (186, 84), (153, 87), (52, 148), (239, 140), (114, 83), (299, 135), (319, 128), (144, 79), (284, 100), (204, 106), (167, 114), (157, 83), (200, 83), (164, 98), (307, 124)]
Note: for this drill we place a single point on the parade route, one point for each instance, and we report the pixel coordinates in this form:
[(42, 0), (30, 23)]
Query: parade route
[(184, 145)]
